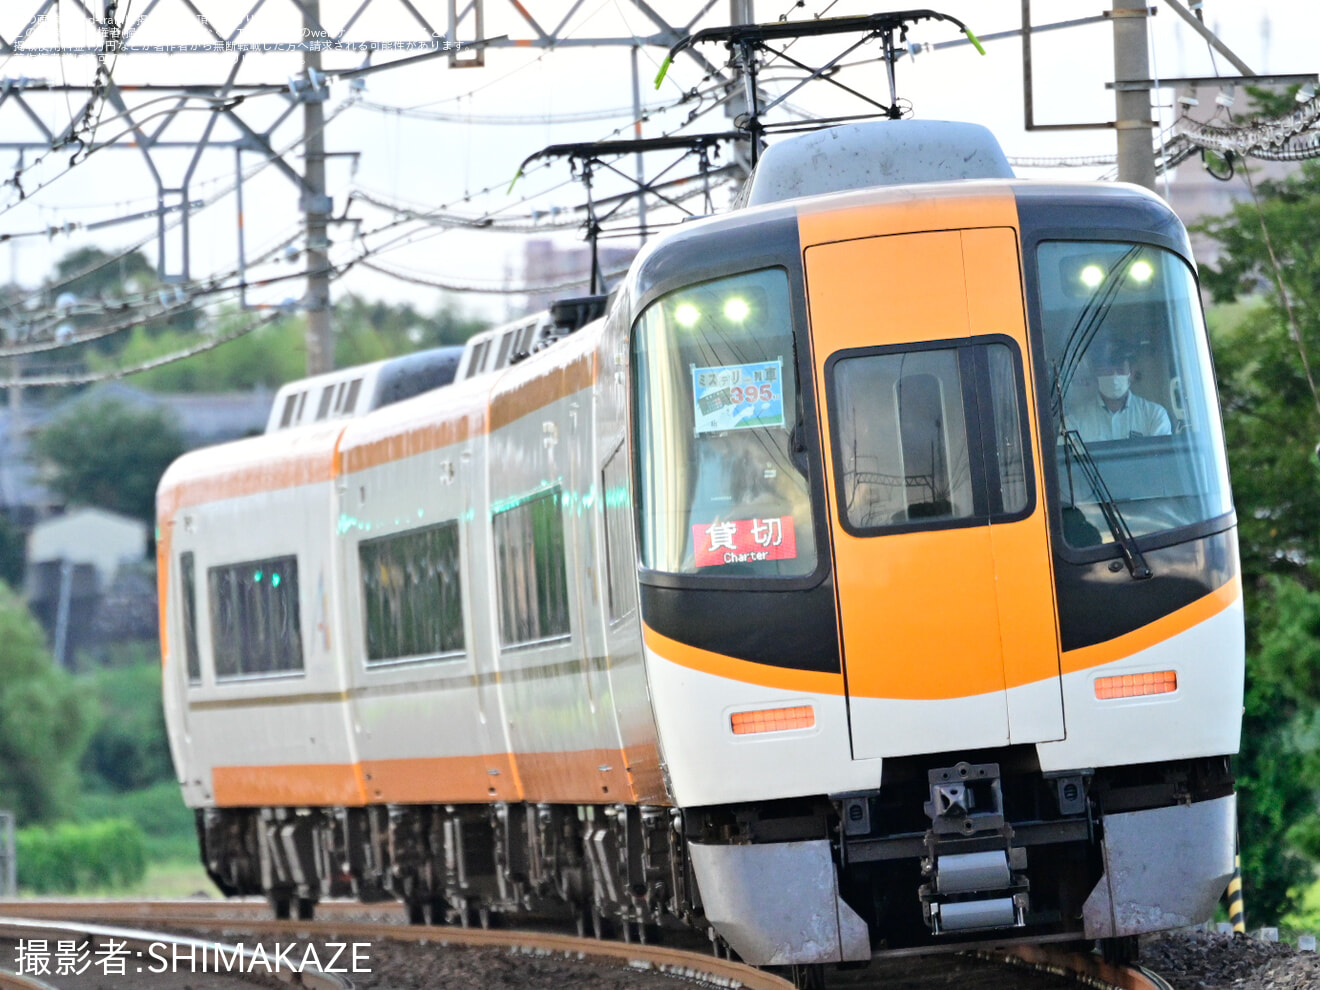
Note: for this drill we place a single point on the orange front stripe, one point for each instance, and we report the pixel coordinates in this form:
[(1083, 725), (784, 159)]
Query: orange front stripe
[(729, 668), (1161, 629)]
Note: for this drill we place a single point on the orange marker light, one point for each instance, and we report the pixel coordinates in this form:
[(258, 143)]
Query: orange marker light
[(774, 720), (1136, 685)]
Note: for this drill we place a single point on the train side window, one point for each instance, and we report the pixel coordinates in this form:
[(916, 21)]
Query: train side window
[(531, 570), (929, 436), (302, 401), (188, 597), (478, 358), (290, 405), (327, 395), (255, 618), (506, 341), (621, 576), (354, 387), (412, 594)]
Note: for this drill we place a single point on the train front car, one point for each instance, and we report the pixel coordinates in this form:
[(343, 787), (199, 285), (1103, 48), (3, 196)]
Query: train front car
[(938, 563)]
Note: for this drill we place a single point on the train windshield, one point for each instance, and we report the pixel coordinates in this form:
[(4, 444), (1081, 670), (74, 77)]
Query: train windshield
[(723, 476), (1132, 396)]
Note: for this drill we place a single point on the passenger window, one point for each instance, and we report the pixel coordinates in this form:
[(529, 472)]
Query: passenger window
[(917, 443), (254, 618), (619, 558), (478, 358), (531, 570), (290, 404), (188, 596), (412, 594), (327, 395), (354, 388)]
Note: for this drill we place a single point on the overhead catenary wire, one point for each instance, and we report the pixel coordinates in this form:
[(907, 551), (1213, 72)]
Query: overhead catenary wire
[(91, 378)]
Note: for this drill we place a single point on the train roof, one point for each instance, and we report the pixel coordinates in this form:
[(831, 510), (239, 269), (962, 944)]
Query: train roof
[(349, 392)]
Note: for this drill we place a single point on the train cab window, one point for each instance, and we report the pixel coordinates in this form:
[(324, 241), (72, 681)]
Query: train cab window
[(723, 482), (622, 576), (915, 442), (188, 600), (531, 570), (412, 594), (1131, 392), (254, 618)]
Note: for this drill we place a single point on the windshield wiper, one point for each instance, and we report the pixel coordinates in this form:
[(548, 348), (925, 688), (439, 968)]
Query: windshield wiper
[(1118, 527), (1088, 323)]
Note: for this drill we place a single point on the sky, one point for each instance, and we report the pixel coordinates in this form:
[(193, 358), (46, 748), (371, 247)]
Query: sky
[(521, 100)]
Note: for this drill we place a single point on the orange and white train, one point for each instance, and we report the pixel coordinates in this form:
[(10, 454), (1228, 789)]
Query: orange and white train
[(861, 576)]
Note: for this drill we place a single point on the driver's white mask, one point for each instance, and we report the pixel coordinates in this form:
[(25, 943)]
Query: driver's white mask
[(1114, 386)]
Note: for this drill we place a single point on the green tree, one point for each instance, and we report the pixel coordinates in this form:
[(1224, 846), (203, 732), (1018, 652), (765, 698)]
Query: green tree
[(13, 552), (109, 455), (128, 749), (43, 721), (1271, 428)]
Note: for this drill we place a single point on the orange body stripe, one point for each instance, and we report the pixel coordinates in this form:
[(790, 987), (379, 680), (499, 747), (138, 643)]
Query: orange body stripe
[(274, 474), (306, 785), (1161, 629), (555, 382), (281, 468), (164, 536), (592, 776), (409, 443)]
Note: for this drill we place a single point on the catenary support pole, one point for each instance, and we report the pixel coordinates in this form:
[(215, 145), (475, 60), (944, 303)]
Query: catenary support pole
[(1136, 151), (316, 205), (637, 133)]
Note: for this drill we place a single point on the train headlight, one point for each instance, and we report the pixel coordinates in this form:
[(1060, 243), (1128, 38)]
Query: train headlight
[(686, 314), (1091, 276), (1141, 271), (736, 309)]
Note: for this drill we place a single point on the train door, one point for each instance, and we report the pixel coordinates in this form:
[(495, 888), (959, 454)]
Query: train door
[(941, 558)]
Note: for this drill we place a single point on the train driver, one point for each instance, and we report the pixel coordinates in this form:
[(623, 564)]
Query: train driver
[(1111, 411)]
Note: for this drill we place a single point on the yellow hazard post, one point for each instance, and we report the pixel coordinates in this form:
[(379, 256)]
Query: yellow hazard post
[(1237, 915)]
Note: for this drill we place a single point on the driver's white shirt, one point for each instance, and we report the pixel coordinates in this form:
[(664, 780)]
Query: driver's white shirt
[(1138, 417)]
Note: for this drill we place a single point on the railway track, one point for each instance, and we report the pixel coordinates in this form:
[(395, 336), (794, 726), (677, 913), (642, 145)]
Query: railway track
[(230, 923)]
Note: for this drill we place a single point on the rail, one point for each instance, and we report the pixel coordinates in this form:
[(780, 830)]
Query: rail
[(341, 917)]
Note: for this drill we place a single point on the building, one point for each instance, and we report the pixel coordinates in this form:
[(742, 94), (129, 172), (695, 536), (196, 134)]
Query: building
[(548, 263)]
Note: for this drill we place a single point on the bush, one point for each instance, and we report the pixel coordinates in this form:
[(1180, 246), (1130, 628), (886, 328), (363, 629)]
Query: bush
[(69, 858), (168, 824)]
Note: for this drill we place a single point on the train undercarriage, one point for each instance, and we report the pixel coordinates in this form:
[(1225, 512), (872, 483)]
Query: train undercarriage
[(985, 847)]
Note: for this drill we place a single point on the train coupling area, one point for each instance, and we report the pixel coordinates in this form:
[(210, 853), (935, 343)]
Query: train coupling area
[(976, 878)]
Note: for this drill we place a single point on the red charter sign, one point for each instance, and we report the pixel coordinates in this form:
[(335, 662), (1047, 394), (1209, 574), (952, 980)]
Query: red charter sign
[(741, 541)]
